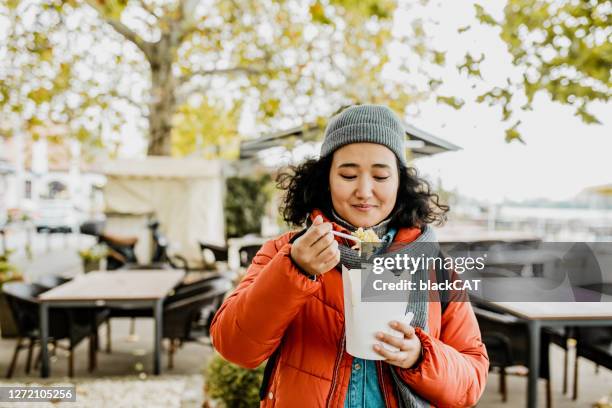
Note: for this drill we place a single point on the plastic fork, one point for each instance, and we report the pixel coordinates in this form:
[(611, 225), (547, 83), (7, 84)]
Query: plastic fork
[(347, 236)]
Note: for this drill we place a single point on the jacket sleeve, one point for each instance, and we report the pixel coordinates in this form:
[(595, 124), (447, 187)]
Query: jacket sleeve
[(453, 370), (252, 320)]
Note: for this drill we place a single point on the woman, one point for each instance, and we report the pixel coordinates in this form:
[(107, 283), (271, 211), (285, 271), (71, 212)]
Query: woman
[(290, 306)]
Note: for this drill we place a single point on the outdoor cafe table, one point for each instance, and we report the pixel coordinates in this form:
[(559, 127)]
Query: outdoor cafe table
[(143, 288), (541, 313)]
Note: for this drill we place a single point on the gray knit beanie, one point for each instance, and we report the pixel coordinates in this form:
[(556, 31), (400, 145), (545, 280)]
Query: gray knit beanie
[(366, 124)]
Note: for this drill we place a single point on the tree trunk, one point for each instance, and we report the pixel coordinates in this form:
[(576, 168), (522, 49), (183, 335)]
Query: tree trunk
[(163, 98)]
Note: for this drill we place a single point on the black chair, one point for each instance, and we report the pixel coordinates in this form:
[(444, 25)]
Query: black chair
[(74, 325), (593, 344), (183, 308), (128, 312), (247, 253), (180, 292), (51, 281), (201, 325), (601, 287), (212, 253), (505, 338)]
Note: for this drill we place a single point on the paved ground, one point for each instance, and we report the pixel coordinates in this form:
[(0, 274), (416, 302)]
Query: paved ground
[(130, 361), (118, 392), (131, 355)]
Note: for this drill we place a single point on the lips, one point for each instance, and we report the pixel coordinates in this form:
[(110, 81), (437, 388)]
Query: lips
[(363, 207)]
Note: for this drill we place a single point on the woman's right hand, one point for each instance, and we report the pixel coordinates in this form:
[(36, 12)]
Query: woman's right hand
[(316, 252)]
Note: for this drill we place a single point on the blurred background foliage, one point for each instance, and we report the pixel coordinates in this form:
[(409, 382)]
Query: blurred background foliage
[(246, 199), (183, 72), (561, 48)]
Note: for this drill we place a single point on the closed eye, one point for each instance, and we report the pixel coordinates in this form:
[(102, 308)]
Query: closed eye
[(381, 178), (348, 177)]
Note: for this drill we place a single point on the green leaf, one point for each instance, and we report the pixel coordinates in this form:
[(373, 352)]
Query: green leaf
[(82, 134), (587, 117), (113, 8), (512, 133), (452, 101), (4, 93), (270, 107), (40, 95), (506, 111), (62, 80), (382, 9), (12, 4), (483, 16), (439, 57), (317, 12), (471, 65), (434, 84)]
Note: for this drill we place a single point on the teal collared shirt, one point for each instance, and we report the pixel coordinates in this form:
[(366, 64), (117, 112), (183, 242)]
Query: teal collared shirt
[(364, 390)]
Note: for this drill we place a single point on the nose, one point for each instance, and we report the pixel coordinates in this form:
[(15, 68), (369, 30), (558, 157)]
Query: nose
[(364, 188)]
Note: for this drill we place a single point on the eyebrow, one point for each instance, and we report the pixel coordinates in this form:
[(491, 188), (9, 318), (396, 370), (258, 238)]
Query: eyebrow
[(353, 165)]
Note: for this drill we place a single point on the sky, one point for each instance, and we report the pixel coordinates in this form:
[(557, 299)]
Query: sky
[(561, 156)]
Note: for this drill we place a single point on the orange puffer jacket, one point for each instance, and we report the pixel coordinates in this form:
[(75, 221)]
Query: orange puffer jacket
[(276, 306)]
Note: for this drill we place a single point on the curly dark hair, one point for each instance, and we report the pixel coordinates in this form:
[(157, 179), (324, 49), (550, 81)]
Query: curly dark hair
[(307, 187)]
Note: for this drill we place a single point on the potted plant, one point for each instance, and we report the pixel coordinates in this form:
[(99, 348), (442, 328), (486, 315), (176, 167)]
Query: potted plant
[(8, 273), (230, 385), (92, 256)]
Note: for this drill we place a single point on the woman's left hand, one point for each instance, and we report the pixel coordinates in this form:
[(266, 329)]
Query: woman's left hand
[(409, 346)]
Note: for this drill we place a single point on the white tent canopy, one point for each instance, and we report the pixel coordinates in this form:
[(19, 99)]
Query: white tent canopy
[(184, 195)]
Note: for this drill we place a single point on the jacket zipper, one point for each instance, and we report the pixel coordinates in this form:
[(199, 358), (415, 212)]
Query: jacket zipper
[(272, 377), (336, 367)]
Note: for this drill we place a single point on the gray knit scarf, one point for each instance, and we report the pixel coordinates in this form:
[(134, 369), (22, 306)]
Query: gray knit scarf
[(425, 244)]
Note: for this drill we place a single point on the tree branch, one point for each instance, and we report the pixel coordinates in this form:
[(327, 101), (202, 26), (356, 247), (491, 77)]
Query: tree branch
[(148, 9), (122, 29), (188, 24), (141, 106)]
